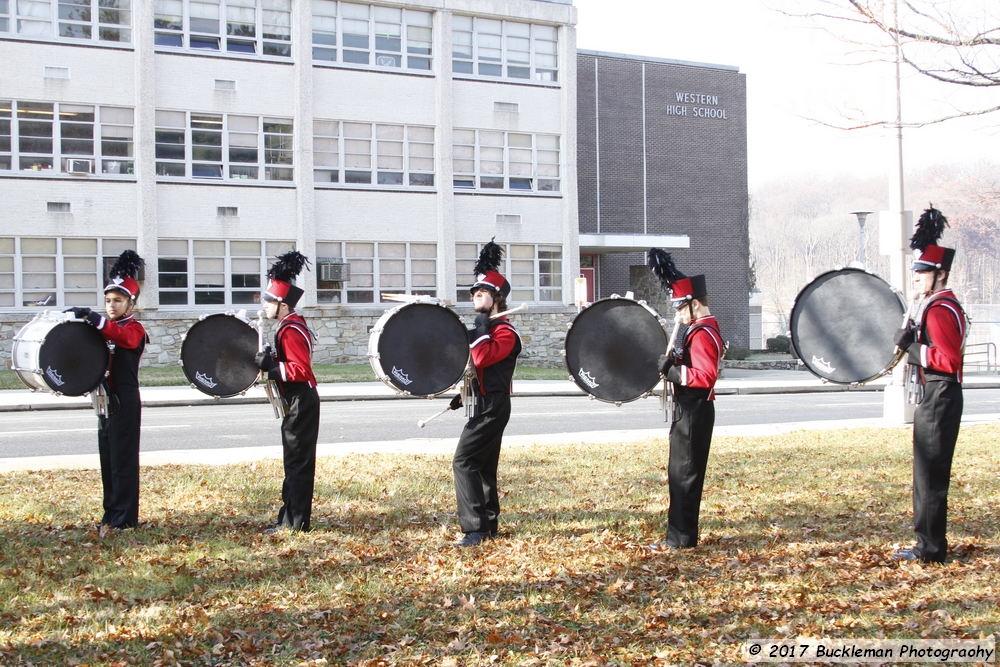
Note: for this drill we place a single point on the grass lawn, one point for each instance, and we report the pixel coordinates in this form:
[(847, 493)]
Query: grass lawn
[(173, 376), (796, 536)]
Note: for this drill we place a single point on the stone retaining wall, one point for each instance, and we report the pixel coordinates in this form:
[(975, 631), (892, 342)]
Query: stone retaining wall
[(342, 333), (769, 365)]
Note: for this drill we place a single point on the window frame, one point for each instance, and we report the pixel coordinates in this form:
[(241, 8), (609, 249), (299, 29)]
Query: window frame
[(341, 169), (13, 21), (10, 127), (404, 48), (504, 61), (343, 293), (268, 249), (60, 256), (464, 265), (260, 42), (232, 171), (478, 174)]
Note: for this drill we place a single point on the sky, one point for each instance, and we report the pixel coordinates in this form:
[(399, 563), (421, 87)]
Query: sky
[(798, 73)]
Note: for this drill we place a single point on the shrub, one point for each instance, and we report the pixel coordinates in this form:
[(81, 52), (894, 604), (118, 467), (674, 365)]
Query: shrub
[(737, 353), (779, 344)]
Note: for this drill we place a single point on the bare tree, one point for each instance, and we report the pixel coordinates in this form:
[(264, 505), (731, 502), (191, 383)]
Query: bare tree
[(955, 43)]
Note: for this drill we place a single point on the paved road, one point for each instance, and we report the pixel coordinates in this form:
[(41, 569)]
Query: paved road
[(222, 425)]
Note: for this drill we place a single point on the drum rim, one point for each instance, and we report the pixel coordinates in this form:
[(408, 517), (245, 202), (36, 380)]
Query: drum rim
[(374, 359), (792, 319), (652, 311), (252, 325)]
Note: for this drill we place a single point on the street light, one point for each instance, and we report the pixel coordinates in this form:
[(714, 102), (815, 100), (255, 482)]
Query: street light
[(862, 216)]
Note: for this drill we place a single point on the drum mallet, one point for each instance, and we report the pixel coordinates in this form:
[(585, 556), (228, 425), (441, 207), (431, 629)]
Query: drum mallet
[(424, 422)]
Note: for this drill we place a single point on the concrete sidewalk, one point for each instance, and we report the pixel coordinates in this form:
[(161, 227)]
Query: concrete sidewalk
[(734, 381)]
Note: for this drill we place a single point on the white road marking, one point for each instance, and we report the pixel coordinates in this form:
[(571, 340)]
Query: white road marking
[(90, 430)]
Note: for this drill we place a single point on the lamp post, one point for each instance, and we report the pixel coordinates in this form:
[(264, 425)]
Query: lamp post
[(862, 217)]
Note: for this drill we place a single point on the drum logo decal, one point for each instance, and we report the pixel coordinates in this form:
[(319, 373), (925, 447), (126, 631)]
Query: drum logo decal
[(401, 376), (54, 375), (823, 365), (205, 380), (588, 379)]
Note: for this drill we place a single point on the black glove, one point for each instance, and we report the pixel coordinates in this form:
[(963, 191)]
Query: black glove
[(93, 318), (482, 327), (456, 402), (265, 361), (904, 338), (78, 313), (665, 363), (674, 375)]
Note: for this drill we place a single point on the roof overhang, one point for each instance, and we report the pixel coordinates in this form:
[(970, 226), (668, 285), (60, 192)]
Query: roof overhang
[(597, 244)]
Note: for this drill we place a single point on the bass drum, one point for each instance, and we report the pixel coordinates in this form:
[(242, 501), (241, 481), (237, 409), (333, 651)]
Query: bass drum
[(419, 348), (843, 323), (612, 349), (57, 353), (218, 354)]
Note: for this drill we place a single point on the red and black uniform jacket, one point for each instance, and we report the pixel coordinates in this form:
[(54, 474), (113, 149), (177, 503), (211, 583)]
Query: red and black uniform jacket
[(293, 344), (938, 350), (699, 366), (129, 338), (494, 355)]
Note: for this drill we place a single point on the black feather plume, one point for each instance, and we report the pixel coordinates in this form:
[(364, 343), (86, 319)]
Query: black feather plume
[(930, 227), (662, 265), (288, 266), (490, 258), (127, 265)]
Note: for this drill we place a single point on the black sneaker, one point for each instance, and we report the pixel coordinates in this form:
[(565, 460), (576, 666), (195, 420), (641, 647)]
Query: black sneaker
[(472, 539)]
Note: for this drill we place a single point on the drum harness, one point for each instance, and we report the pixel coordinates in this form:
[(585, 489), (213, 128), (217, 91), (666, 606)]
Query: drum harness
[(274, 397)]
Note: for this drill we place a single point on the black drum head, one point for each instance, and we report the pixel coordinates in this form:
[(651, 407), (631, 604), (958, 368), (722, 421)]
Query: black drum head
[(843, 324), (612, 350), (73, 358), (423, 349), (218, 355)]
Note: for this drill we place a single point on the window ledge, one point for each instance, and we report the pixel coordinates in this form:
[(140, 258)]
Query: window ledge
[(510, 82), (329, 64), (375, 188), (114, 46), (235, 182), (206, 53), (52, 175), (508, 193)]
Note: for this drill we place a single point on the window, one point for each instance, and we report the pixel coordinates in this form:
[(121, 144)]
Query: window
[(376, 37), (75, 21), (533, 271), (377, 268), (507, 161), (204, 272), (237, 27), (65, 138), (55, 272), (504, 49), (223, 146), (403, 154)]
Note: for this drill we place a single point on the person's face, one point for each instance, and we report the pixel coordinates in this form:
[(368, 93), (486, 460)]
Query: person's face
[(482, 300), (682, 313), (117, 305), (271, 309), (923, 282)]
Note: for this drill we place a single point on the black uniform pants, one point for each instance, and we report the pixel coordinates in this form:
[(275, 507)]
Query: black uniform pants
[(475, 465), (935, 429), (299, 432), (118, 447), (690, 440)]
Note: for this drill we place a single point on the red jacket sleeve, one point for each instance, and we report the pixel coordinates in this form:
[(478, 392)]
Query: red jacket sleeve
[(128, 336), (945, 328), (489, 350), (704, 368), (297, 350)]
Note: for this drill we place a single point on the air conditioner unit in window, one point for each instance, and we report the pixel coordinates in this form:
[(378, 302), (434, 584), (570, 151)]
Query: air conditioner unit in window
[(76, 166), (334, 271)]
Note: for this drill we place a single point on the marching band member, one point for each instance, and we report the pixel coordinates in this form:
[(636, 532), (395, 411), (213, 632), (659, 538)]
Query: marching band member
[(290, 365), (936, 347), (495, 345), (118, 432), (693, 374)]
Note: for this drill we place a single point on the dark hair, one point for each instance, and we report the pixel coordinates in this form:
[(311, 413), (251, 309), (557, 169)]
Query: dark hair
[(703, 300), (500, 300)]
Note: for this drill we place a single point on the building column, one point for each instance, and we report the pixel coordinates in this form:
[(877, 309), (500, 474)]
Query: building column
[(305, 202), (144, 146), (444, 175), (571, 218)]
